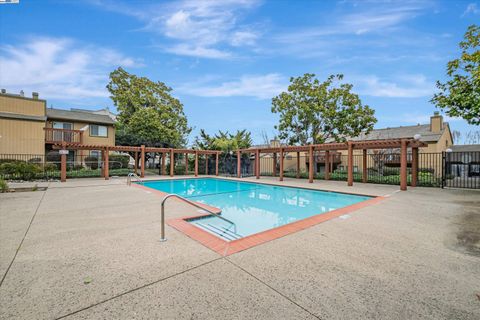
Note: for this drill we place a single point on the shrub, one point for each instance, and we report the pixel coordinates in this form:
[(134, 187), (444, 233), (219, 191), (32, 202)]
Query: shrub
[(118, 161), (36, 160), (21, 170), (3, 186), (91, 162), (10, 161)]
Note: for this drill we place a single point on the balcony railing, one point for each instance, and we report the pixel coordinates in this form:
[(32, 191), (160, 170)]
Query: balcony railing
[(53, 135)]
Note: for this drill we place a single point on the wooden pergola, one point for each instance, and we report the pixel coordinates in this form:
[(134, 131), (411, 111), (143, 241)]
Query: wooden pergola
[(349, 146), (142, 150)]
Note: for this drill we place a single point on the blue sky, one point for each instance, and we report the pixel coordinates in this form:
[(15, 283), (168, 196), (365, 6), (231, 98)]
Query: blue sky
[(225, 60)]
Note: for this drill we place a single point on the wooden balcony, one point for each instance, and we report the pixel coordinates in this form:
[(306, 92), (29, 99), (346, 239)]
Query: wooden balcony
[(53, 136)]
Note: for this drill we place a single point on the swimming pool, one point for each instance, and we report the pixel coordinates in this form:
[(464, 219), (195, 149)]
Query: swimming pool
[(253, 207)]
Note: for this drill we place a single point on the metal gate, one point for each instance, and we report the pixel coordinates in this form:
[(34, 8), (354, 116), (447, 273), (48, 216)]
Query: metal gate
[(461, 169)]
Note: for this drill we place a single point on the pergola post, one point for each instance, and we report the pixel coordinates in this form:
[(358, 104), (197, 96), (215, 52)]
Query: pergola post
[(142, 159), (298, 165), (239, 164), (164, 163), (102, 164), (310, 164), (327, 165), (106, 165), (364, 166), (274, 164), (281, 165), (196, 163), (186, 163), (216, 164), (414, 167), (172, 162), (206, 164), (135, 166), (257, 164), (63, 165), (403, 165), (350, 164)]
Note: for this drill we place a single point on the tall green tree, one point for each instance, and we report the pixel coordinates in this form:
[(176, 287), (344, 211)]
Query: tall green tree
[(312, 111), (148, 113), (223, 140), (460, 95)]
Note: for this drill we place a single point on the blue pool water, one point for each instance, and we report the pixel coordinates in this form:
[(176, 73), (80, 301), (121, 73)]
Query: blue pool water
[(253, 207)]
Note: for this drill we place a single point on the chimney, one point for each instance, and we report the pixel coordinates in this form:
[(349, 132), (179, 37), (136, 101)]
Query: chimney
[(35, 95), (274, 143), (4, 91), (436, 122)]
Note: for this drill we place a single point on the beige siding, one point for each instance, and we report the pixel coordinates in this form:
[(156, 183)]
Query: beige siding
[(21, 136), (22, 106)]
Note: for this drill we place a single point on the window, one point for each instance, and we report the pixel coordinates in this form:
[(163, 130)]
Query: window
[(95, 153), (98, 131), (62, 125)]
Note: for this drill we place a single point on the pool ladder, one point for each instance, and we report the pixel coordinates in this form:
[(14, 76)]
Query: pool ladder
[(134, 175), (168, 196)]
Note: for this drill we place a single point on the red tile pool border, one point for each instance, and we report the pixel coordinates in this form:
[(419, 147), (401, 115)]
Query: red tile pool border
[(226, 248)]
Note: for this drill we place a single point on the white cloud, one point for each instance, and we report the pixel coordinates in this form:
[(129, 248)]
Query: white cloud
[(472, 8), (59, 68), (406, 86), (258, 86), (199, 28)]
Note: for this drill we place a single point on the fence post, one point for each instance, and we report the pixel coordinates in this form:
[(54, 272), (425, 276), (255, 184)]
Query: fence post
[(281, 165), (106, 165), (364, 166), (414, 167), (298, 165), (172, 162), (403, 165), (239, 164), (350, 164), (63, 165), (196, 163), (310, 164), (327, 165), (206, 164), (142, 159), (444, 162), (186, 163), (136, 163), (257, 164), (216, 164)]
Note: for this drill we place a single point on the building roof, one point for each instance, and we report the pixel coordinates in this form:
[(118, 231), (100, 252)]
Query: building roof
[(81, 116), (466, 148), (403, 132)]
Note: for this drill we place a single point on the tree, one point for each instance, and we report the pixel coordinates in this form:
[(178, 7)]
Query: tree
[(460, 95), (314, 112), (224, 141), (148, 114), (456, 136)]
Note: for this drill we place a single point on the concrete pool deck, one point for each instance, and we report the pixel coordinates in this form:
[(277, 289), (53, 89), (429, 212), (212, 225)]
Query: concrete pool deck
[(89, 249)]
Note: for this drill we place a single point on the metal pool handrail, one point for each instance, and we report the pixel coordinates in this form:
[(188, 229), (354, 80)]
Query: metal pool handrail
[(129, 178), (162, 222)]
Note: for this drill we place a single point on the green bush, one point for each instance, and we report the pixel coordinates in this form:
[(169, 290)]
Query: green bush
[(118, 161), (21, 170), (3, 186), (10, 161)]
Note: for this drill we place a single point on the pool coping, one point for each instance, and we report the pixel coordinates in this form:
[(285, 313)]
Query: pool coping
[(226, 248)]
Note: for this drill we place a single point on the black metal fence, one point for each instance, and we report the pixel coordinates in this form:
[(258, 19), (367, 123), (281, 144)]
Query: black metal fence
[(461, 170), (382, 168), (46, 167)]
